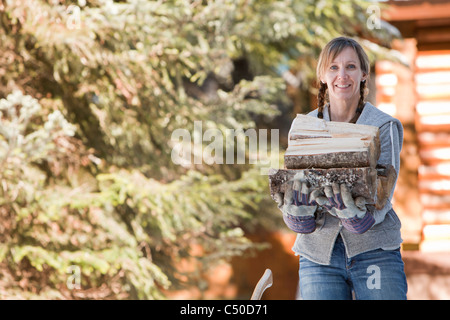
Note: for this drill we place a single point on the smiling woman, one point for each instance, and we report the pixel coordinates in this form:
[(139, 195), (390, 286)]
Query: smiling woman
[(346, 247), (343, 69)]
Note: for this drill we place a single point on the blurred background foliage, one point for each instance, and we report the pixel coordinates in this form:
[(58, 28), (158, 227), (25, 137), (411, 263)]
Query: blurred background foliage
[(91, 93)]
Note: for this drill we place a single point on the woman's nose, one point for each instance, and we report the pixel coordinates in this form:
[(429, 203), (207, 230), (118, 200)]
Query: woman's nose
[(342, 73)]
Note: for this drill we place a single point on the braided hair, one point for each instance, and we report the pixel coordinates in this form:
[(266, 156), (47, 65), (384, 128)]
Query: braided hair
[(362, 87), (321, 97)]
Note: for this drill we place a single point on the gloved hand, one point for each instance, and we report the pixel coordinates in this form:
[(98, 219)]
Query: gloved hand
[(352, 212), (341, 202), (298, 206)]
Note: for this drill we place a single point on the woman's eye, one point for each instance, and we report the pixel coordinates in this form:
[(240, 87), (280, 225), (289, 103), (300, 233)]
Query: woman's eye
[(351, 66), (333, 67)]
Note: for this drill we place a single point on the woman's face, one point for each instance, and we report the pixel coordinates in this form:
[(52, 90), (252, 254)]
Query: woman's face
[(343, 76)]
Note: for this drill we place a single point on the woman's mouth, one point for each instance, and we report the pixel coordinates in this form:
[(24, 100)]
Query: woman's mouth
[(343, 86)]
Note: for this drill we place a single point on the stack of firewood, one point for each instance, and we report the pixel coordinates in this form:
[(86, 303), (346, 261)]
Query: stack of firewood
[(335, 152)]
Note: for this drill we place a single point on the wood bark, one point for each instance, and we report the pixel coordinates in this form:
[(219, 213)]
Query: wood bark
[(344, 159), (361, 181), (386, 178), (374, 184)]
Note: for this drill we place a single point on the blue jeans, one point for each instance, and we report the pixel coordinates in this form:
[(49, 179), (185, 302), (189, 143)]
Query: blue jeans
[(373, 275)]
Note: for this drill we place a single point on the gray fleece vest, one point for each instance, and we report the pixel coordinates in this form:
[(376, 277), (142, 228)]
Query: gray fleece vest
[(385, 233)]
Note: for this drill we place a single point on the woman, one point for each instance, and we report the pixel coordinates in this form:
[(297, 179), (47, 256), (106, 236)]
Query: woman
[(345, 250)]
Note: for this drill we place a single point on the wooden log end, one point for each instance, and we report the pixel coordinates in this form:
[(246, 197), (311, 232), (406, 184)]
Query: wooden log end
[(386, 178), (375, 185)]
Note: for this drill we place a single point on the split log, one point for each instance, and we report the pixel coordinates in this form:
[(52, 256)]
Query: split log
[(374, 184), (305, 127), (386, 178), (319, 154), (361, 181), (316, 143)]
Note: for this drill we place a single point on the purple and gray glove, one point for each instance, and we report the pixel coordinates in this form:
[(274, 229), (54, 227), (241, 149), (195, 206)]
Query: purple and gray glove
[(352, 212), (298, 206)]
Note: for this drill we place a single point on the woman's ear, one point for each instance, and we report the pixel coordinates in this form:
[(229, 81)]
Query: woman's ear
[(364, 77)]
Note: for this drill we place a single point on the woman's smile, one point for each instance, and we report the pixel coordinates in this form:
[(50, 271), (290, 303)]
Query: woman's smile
[(343, 86)]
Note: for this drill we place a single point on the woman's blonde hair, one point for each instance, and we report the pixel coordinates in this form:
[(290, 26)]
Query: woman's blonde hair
[(328, 54)]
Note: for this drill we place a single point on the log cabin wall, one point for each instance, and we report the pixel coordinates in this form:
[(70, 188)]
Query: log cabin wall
[(420, 97), (395, 94), (433, 130)]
